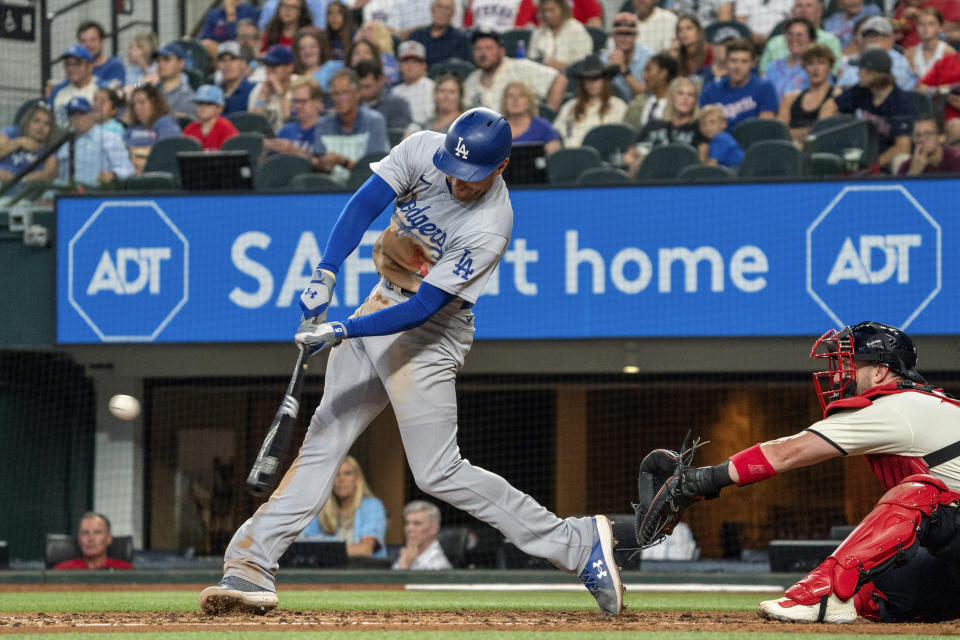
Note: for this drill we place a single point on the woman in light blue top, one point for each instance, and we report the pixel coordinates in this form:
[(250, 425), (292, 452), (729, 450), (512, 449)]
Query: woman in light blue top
[(352, 515)]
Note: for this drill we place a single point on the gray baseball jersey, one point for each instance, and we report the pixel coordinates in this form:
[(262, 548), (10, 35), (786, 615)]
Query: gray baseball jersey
[(454, 246)]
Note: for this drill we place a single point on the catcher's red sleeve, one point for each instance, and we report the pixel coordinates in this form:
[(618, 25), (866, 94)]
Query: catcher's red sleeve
[(752, 466)]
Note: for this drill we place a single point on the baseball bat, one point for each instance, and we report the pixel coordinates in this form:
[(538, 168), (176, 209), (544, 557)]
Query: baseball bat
[(265, 473)]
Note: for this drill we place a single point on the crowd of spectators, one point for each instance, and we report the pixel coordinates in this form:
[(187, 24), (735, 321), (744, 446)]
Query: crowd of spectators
[(336, 82)]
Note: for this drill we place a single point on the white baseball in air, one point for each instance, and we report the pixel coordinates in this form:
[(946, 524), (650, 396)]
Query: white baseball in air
[(124, 407)]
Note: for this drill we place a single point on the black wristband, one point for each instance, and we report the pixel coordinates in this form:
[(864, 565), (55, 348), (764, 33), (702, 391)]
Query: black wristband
[(720, 475), (706, 481)]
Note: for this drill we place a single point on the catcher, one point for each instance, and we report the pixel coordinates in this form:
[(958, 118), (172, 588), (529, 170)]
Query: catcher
[(902, 562)]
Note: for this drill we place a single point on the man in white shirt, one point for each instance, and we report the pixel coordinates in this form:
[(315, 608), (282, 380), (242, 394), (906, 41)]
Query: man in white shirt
[(657, 28), (421, 549), (80, 81), (416, 88), (485, 85)]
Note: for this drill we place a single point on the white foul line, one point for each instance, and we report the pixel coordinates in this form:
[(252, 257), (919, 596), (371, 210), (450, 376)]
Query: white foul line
[(662, 587)]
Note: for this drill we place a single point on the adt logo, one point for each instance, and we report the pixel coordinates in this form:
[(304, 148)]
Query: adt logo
[(873, 253), (128, 271)]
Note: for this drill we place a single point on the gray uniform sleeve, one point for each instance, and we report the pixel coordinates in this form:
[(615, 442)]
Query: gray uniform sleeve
[(467, 264), (402, 167)]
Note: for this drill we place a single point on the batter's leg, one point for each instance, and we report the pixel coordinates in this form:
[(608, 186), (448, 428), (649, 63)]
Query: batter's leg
[(419, 370), (353, 396)]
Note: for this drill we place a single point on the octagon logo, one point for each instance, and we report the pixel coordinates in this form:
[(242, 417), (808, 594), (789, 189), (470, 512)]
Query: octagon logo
[(874, 253), (128, 271)]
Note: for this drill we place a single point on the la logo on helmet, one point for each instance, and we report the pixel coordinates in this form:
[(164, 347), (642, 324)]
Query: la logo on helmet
[(461, 150)]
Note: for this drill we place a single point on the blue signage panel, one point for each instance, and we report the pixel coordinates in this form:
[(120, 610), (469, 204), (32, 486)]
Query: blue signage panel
[(710, 260)]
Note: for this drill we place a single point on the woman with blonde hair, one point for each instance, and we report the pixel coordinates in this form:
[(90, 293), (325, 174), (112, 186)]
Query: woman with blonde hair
[(560, 40), (594, 104), (352, 514), (677, 125), (22, 143), (519, 105), (140, 59), (448, 101)]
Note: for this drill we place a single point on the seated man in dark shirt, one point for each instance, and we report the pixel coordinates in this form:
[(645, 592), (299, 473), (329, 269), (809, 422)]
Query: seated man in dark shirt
[(442, 40), (94, 537), (375, 94), (930, 153), (878, 99)]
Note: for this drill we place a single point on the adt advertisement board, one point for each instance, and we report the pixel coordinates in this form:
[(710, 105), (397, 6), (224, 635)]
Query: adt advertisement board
[(687, 261)]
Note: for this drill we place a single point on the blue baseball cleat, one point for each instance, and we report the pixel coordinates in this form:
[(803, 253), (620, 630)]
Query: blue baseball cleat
[(602, 575), (235, 594)]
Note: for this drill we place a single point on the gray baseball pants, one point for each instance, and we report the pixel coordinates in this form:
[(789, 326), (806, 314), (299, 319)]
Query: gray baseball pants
[(415, 371)]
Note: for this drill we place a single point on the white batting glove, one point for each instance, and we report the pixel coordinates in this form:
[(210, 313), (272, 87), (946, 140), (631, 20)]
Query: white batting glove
[(317, 337), (315, 299)]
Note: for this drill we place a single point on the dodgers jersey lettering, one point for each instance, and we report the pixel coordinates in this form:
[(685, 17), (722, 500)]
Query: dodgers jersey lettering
[(432, 237)]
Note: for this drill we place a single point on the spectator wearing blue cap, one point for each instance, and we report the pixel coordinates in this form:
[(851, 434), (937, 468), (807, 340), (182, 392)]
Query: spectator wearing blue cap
[(171, 59), (271, 98), (210, 127), (22, 143), (108, 70), (150, 120), (78, 67), (100, 156)]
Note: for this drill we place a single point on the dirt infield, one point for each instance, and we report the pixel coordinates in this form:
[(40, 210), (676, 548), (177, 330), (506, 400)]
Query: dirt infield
[(461, 620)]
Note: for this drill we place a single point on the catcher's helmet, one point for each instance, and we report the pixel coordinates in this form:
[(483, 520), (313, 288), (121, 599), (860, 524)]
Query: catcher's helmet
[(476, 144), (870, 342)]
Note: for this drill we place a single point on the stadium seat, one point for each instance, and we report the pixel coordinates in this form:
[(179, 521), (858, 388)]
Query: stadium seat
[(610, 141), (314, 182), (842, 137), (248, 121), (513, 37), (61, 547), (665, 162), (831, 122), (564, 166), (922, 103), (599, 37), (395, 136), (778, 29), (460, 68), (163, 155), (453, 541), (771, 158), (755, 129), (546, 112), (197, 57), (741, 28), (195, 77), (279, 169), (183, 121), (603, 176), (249, 141), (361, 170), (151, 181), (825, 164), (705, 173)]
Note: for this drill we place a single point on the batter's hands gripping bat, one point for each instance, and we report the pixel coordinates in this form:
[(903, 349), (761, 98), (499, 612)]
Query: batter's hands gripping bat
[(265, 473)]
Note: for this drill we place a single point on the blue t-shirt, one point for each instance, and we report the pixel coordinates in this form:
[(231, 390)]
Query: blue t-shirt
[(725, 150), (892, 118), (17, 160), (217, 28), (141, 136), (237, 101), (743, 102), (540, 130), (109, 71), (786, 78), (369, 521), (452, 44), (303, 138)]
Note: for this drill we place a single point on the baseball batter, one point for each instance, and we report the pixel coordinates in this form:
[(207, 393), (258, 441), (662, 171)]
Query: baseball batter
[(902, 562), (450, 226)]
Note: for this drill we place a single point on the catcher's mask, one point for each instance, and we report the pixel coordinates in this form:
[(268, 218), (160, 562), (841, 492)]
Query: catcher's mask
[(869, 342)]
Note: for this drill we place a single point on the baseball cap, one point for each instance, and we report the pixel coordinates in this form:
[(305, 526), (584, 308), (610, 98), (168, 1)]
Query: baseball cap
[(874, 59), (78, 51), (209, 93), (78, 104), (231, 47), (723, 34), (170, 50), (878, 25), (411, 49), (493, 35), (278, 54), (625, 22)]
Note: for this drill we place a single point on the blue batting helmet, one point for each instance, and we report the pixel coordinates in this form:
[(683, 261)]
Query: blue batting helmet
[(476, 144)]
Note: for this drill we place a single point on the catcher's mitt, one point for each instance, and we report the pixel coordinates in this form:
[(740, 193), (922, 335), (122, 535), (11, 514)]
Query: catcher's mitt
[(662, 497)]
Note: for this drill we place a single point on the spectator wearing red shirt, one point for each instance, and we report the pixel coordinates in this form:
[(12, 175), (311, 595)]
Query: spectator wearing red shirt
[(944, 78), (589, 12), (210, 128), (94, 537), (500, 15), (930, 154), (907, 12)]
